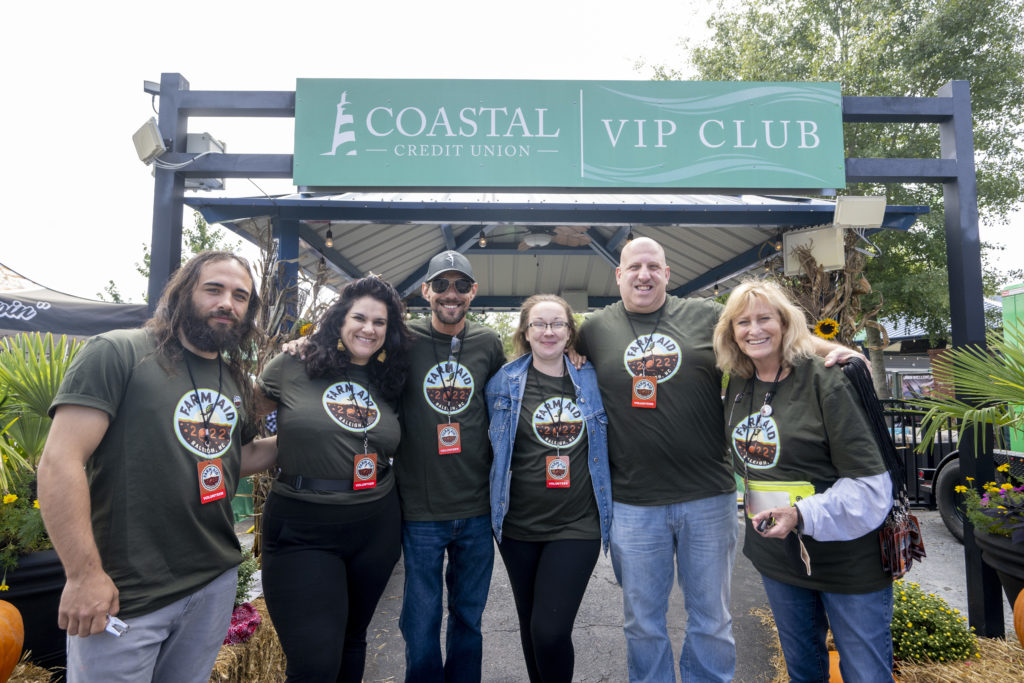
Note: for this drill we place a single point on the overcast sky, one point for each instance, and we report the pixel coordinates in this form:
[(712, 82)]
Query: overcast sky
[(79, 202)]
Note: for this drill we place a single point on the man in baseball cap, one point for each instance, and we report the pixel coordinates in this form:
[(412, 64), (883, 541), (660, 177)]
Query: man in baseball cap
[(446, 261), (443, 466)]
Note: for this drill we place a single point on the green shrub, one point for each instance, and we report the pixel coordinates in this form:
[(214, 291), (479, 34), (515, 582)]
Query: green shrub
[(926, 628), (246, 570)]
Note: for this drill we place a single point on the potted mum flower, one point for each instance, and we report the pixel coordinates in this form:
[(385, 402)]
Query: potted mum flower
[(31, 369)]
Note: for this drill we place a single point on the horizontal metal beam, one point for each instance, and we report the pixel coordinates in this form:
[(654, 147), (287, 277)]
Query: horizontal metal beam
[(897, 109), (547, 250), (504, 303), (900, 170), (231, 165), (313, 239), (719, 216), (241, 103)]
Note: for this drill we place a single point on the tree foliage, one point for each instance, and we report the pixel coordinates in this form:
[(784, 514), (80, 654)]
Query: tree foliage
[(894, 48), (198, 238)]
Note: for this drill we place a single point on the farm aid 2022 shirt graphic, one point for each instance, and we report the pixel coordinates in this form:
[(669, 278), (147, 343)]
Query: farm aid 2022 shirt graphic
[(204, 420), (567, 134)]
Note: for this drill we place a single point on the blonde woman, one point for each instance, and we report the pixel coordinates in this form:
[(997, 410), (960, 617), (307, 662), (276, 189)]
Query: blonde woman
[(817, 489)]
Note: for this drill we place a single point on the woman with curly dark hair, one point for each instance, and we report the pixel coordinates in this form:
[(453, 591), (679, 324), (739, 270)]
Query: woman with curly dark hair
[(332, 523)]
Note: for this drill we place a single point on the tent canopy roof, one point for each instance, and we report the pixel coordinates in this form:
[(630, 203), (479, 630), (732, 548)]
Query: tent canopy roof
[(708, 239)]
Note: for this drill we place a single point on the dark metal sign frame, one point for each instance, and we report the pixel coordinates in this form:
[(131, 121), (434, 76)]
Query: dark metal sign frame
[(950, 110)]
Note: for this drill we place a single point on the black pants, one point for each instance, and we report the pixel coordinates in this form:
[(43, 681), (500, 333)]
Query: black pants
[(548, 582), (324, 569)]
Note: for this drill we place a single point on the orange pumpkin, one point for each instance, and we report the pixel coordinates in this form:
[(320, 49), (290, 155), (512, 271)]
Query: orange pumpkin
[(12, 637), (1018, 617), (833, 667)]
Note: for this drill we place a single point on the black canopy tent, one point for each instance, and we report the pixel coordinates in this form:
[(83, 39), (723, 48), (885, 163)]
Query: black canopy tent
[(26, 306)]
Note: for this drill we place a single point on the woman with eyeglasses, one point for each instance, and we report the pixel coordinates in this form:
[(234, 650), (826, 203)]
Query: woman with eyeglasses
[(550, 484)]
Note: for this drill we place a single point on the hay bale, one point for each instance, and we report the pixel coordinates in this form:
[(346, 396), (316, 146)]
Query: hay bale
[(27, 672), (997, 660), (258, 660)]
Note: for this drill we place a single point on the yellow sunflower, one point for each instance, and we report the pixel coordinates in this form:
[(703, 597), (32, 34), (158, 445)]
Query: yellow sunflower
[(826, 328)]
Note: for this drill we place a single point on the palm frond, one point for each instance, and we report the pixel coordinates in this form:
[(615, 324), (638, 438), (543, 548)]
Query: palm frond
[(989, 385)]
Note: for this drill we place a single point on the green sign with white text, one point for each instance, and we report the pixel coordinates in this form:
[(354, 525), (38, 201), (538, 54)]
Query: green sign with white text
[(360, 133)]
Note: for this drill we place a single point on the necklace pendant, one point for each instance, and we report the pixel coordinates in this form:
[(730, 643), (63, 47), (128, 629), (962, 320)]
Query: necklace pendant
[(766, 410)]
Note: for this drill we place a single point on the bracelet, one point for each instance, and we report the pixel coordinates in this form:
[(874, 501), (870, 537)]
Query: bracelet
[(799, 520)]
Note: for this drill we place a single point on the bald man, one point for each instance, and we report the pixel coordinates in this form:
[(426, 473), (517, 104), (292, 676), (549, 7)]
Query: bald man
[(673, 491)]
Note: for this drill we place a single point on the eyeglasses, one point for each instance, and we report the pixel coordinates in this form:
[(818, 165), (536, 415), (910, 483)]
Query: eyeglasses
[(441, 285), (557, 325)]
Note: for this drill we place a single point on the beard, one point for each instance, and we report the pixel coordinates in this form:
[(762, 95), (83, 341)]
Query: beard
[(196, 328), (446, 317)]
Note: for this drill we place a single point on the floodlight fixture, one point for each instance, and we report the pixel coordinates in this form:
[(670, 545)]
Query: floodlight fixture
[(859, 212), (148, 142)]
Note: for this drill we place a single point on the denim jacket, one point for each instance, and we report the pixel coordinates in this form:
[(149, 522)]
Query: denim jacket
[(504, 401)]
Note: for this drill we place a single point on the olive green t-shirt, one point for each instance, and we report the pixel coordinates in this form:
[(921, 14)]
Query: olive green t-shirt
[(817, 432), (435, 487), (550, 424), (672, 453), (156, 540), (320, 427)]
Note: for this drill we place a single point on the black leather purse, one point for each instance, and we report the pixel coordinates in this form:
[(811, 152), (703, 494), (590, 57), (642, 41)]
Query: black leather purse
[(900, 533)]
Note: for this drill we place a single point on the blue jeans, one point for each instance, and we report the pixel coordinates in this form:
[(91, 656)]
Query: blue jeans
[(699, 538), (470, 548), (860, 627)]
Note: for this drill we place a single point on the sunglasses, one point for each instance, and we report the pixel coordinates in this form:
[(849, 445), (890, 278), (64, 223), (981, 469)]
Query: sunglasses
[(441, 285)]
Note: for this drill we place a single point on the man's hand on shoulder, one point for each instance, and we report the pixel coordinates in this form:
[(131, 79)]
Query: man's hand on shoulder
[(577, 360), (296, 348), (86, 602), (842, 354)]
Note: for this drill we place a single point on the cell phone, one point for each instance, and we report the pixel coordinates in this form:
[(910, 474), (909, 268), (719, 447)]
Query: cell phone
[(765, 523), (116, 627)]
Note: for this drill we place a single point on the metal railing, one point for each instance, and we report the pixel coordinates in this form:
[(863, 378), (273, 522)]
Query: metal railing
[(905, 427)]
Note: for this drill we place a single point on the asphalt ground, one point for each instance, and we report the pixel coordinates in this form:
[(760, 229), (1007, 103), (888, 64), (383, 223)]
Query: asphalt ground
[(600, 646)]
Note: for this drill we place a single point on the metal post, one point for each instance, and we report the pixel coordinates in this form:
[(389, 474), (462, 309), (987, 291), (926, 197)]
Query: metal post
[(966, 308), (169, 191), (286, 237)]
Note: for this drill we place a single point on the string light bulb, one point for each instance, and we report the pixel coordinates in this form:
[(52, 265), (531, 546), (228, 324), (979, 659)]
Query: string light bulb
[(483, 240), (629, 237), (716, 289), (330, 239)]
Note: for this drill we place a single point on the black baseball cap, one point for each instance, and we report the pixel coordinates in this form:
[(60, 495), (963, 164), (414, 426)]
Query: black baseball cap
[(449, 260)]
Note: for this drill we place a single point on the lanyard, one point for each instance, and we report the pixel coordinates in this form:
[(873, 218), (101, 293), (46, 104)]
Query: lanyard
[(532, 372), (650, 339), (766, 411), (363, 413), (195, 392), (454, 356)]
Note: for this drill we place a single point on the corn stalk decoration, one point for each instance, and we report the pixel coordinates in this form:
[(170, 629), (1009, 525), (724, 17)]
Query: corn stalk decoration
[(285, 313), (835, 300)]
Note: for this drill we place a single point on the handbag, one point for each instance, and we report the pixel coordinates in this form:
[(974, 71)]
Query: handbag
[(900, 534)]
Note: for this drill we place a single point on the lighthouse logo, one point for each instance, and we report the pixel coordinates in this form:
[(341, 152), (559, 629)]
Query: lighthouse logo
[(343, 132)]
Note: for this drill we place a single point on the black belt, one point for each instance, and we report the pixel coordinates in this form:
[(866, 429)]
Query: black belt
[(299, 482)]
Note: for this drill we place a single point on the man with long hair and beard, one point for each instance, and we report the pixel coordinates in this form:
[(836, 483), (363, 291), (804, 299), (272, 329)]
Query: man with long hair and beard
[(150, 435)]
